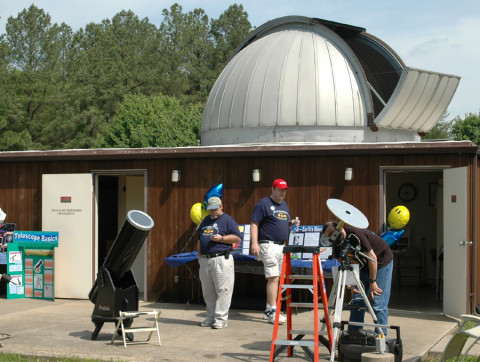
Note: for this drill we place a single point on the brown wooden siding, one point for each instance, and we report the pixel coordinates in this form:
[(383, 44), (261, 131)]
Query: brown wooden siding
[(312, 179)]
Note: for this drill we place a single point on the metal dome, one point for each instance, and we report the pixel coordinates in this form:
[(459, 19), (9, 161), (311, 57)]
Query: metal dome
[(297, 79)]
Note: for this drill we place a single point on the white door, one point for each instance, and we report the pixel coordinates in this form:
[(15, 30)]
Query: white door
[(67, 207), (455, 261)]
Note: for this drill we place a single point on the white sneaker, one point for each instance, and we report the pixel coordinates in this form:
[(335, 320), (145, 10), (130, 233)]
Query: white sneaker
[(206, 323), (219, 325), (270, 316)]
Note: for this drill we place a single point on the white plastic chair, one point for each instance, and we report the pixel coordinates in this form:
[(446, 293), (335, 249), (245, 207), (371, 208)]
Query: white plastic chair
[(456, 347)]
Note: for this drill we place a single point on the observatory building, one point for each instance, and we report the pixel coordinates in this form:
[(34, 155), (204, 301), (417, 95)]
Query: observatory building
[(298, 79)]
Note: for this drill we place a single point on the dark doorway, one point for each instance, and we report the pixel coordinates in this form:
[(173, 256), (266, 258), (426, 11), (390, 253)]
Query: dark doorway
[(107, 215)]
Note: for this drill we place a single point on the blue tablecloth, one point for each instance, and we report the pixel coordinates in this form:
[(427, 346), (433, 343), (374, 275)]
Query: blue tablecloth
[(184, 258), (3, 258)]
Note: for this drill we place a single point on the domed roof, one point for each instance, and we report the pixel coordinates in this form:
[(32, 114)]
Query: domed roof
[(297, 79)]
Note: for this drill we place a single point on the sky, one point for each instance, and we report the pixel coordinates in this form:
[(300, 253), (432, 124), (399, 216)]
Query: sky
[(436, 35)]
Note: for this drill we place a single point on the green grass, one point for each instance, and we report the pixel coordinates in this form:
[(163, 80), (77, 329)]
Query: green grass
[(14, 357)]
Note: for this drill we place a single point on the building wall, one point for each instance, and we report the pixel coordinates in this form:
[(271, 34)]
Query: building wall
[(312, 179)]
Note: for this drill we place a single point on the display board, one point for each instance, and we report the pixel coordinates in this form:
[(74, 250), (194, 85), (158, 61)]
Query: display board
[(6, 235), (30, 262), (306, 235)]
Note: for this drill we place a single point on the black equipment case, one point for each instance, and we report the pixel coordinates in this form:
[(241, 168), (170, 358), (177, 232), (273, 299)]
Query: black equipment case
[(353, 343)]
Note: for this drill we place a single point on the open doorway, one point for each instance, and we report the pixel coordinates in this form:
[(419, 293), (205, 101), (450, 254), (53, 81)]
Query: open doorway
[(116, 194), (418, 256)]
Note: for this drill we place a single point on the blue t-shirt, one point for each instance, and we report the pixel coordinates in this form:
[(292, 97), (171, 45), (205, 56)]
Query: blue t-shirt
[(224, 225), (272, 219)]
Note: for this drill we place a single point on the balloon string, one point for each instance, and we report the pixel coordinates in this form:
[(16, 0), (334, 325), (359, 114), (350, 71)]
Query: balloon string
[(191, 236)]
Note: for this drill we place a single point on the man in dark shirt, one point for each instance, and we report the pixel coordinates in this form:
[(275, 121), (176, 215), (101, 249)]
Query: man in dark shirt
[(376, 276), (217, 233), (269, 229)]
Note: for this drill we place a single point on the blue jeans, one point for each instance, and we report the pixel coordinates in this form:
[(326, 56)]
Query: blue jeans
[(379, 302)]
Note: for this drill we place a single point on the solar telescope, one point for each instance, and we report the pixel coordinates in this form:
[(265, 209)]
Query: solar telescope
[(115, 288)]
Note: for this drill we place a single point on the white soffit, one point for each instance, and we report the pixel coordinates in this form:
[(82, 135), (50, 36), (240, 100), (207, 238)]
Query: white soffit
[(419, 100)]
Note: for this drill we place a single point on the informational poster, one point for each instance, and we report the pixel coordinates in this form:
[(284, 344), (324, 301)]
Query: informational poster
[(243, 246), (308, 235), (16, 287), (31, 264), (39, 273)]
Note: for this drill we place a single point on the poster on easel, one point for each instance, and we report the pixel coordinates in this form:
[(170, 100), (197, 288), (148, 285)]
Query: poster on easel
[(16, 287), (32, 263), (308, 235)]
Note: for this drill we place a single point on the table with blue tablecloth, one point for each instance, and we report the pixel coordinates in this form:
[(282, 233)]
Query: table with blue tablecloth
[(185, 258)]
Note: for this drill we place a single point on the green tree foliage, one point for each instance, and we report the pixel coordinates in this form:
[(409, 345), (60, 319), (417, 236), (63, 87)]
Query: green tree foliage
[(60, 89), (34, 84), (228, 31), (161, 121), (442, 129), (468, 128)]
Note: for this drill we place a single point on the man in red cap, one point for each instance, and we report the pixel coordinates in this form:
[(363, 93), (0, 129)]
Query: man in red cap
[(269, 229)]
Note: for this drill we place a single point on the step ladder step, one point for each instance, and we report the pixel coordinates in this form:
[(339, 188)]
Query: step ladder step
[(297, 286), (304, 305), (308, 331), (301, 277), (286, 342)]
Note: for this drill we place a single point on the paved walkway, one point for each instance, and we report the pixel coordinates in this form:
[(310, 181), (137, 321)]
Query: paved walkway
[(63, 328)]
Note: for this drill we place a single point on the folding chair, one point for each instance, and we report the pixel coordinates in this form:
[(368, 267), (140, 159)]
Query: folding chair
[(456, 346), (128, 315)]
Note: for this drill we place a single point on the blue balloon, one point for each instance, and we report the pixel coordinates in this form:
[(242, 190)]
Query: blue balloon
[(392, 236), (214, 191)]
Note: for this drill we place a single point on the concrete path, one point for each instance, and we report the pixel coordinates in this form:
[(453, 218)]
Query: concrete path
[(63, 328)]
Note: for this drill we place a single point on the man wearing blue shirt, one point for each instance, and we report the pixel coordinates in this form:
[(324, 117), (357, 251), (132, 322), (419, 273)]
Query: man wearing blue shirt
[(269, 229), (217, 233)]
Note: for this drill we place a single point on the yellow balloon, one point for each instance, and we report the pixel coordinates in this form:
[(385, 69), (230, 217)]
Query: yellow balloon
[(198, 212), (399, 217)]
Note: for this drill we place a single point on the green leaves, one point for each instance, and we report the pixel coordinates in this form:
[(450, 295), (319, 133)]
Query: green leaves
[(468, 128), (153, 121), (60, 89)]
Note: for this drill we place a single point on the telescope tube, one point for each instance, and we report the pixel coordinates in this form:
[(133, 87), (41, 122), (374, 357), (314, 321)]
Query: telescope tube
[(128, 242)]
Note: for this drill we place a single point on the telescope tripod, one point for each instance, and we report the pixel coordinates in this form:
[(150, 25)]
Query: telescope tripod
[(336, 299)]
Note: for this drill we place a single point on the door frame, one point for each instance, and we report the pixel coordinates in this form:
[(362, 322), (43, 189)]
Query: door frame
[(382, 212), (119, 172)]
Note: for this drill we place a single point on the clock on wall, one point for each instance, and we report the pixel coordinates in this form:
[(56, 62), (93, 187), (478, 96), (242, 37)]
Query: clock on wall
[(407, 192)]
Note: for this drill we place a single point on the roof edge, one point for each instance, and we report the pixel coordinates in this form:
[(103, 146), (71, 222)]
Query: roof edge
[(259, 150)]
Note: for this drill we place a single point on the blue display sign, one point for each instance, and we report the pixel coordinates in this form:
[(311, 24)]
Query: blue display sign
[(36, 237)]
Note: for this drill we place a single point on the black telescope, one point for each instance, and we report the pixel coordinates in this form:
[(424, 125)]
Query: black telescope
[(115, 288)]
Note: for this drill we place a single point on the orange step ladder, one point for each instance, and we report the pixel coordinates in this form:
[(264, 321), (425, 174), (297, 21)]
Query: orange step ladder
[(286, 286)]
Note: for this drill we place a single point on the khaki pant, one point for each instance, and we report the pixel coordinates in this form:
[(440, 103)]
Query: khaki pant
[(217, 276)]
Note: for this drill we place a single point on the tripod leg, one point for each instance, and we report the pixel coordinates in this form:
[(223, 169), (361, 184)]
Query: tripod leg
[(340, 294), (364, 296)]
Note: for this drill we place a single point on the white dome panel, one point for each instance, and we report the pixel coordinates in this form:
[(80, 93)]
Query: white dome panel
[(290, 77)]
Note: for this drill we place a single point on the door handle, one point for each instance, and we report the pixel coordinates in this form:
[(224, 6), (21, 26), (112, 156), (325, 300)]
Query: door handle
[(465, 243)]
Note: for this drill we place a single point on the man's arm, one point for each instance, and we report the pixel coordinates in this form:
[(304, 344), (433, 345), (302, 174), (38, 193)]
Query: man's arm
[(254, 247), (372, 268)]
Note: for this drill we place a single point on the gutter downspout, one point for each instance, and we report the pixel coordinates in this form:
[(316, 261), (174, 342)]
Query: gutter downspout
[(474, 236)]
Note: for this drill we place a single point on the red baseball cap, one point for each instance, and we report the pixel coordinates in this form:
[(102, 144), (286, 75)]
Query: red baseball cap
[(281, 184)]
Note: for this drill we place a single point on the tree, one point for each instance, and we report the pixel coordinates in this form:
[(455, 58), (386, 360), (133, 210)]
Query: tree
[(184, 45), (227, 32), (34, 52), (468, 128), (441, 130), (111, 60), (153, 121)]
